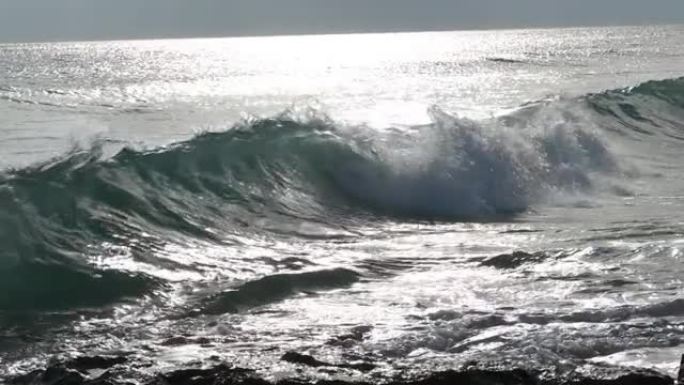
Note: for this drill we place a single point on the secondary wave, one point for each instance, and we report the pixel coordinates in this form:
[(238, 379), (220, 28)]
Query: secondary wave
[(277, 287), (56, 217), (654, 108)]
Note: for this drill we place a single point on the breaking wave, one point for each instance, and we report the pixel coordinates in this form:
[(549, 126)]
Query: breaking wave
[(294, 168)]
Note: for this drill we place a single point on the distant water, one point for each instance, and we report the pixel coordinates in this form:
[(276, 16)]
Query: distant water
[(509, 197)]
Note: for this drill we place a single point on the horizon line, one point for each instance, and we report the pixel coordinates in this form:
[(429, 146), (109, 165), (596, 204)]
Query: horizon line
[(338, 33)]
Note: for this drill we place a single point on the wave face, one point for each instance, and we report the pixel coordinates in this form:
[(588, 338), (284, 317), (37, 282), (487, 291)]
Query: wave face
[(57, 217)]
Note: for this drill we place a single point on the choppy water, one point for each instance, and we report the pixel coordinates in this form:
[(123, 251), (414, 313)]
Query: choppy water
[(418, 200)]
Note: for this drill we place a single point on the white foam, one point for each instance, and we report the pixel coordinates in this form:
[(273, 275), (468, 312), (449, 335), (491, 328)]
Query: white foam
[(457, 167)]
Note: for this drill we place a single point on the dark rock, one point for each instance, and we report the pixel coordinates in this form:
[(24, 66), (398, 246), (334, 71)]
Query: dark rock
[(514, 260), (86, 363), (303, 359), (226, 375), (357, 334), (635, 378), (176, 341), (181, 340), (219, 375), (620, 282), (362, 367), (477, 377), (51, 376), (28, 378)]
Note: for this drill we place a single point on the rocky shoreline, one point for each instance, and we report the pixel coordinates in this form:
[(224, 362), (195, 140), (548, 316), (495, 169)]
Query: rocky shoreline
[(101, 370)]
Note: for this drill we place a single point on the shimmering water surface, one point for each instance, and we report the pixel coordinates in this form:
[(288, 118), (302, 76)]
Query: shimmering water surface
[(417, 200)]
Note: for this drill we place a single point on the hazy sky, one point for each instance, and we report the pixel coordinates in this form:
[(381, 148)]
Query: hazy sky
[(22, 20)]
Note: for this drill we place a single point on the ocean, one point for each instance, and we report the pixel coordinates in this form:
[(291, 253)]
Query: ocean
[(356, 207)]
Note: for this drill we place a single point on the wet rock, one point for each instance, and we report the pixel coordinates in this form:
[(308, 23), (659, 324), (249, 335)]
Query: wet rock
[(621, 282), (303, 359), (607, 375), (226, 375), (72, 372), (219, 375), (181, 340), (50, 376), (357, 334), (87, 363), (514, 260), (362, 367), (636, 378), (176, 341), (478, 377)]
